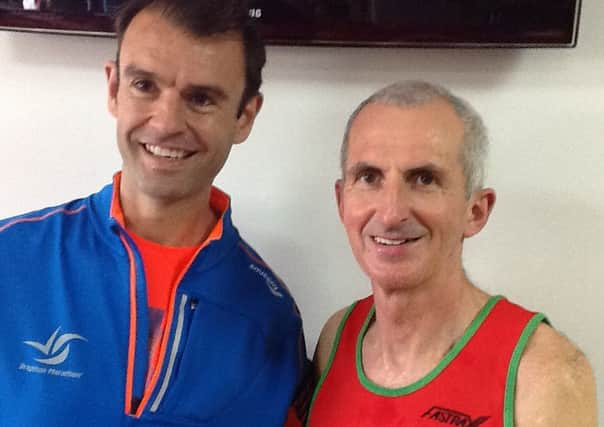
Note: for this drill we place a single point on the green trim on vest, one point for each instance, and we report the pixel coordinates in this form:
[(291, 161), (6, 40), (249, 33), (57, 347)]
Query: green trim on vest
[(510, 383), (332, 354), (455, 350)]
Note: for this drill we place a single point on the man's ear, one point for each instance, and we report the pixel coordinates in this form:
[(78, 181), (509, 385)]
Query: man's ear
[(338, 187), (246, 120), (480, 207), (111, 72)]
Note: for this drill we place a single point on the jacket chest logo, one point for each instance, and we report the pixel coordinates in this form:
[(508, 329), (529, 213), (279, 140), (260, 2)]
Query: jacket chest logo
[(52, 353)]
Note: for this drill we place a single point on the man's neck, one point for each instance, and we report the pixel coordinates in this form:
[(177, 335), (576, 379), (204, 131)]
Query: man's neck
[(415, 328), (185, 222)]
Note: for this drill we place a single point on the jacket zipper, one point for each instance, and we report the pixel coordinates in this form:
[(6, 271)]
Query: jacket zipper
[(137, 405), (185, 307), (166, 343), (174, 350)]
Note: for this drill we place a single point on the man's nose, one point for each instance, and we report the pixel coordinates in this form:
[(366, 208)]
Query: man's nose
[(168, 116), (393, 204)]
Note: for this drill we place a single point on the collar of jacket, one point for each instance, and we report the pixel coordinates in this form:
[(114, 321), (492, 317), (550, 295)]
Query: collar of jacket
[(110, 229)]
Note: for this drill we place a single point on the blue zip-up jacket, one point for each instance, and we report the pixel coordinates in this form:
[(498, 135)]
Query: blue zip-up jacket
[(74, 341)]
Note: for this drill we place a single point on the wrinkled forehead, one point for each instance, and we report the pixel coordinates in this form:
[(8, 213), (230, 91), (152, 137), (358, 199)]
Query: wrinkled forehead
[(425, 124), (429, 129)]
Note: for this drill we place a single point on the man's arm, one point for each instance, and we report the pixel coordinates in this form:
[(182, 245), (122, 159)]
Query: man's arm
[(325, 342), (555, 385), (299, 410)]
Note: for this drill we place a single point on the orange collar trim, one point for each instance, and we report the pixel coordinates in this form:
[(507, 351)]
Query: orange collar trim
[(219, 202)]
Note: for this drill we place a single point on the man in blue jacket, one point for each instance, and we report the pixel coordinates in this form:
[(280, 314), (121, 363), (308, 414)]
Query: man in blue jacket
[(141, 305)]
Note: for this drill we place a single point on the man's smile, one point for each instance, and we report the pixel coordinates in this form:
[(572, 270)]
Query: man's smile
[(393, 242), (166, 152)]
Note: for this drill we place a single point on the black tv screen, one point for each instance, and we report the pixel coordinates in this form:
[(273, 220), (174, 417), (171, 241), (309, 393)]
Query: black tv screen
[(430, 23)]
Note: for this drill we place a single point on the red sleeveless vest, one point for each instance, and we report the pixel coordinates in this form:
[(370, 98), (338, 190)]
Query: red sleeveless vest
[(472, 386)]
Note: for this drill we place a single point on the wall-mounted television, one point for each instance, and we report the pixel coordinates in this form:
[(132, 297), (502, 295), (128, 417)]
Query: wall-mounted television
[(426, 23)]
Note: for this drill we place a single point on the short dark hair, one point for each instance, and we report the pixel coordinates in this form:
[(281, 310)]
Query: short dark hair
[(203, 18)]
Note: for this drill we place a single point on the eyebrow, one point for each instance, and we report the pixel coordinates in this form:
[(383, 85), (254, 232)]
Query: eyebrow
[(361, 166), (216, 91), (430, 167), (132, 70)]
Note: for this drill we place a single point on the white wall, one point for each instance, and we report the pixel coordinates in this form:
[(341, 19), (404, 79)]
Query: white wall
[(544, 108)]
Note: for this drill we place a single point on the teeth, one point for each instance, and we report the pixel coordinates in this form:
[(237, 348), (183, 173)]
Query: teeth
[(165, 152), (388, 242)]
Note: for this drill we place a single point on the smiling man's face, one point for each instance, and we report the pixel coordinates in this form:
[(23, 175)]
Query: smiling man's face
[(402, 198), (176, 102)]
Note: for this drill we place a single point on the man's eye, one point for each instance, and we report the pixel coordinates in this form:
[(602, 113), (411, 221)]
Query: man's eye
[(368, 177), (200, 100), (424, 178), (143, 85)]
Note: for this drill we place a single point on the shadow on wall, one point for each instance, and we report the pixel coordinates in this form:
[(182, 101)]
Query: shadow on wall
[(77, 52), (535, 245), (483, 68)]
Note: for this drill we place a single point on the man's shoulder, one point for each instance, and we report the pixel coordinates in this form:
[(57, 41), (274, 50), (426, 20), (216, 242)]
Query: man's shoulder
[(255, 290), (260, 272), (40, 216), (555, 384), (552, 357), (56, 212), (56, 221), (328, 337)]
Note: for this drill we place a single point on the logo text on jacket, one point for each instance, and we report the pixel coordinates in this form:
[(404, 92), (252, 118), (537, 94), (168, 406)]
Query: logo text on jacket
[(51, 354)]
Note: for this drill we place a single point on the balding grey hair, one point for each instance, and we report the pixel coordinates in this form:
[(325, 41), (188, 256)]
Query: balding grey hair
[(415, 93)]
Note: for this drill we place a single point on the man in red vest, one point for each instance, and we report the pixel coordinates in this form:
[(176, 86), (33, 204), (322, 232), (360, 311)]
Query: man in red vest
[(428, 347)]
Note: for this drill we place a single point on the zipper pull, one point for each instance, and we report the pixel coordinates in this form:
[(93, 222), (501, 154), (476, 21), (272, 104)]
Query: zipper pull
[(194, 304)]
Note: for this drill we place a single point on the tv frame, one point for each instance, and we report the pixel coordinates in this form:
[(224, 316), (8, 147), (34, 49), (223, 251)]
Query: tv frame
[(307, 31)]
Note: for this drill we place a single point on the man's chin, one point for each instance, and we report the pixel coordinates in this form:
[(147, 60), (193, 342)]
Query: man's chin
[(165, 190), (393, 280)]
